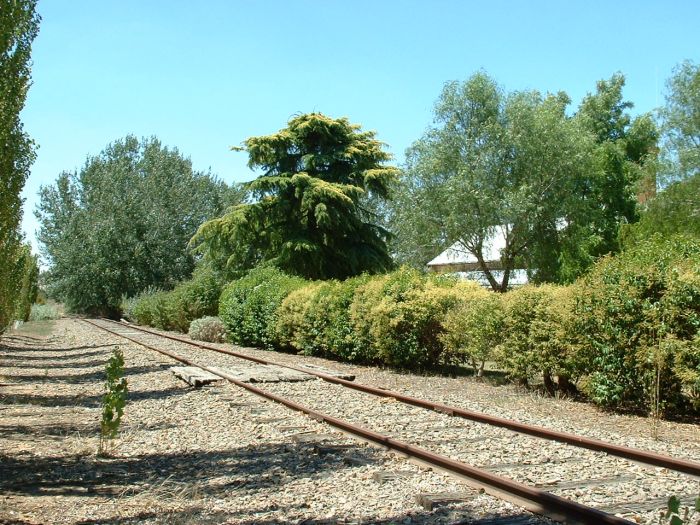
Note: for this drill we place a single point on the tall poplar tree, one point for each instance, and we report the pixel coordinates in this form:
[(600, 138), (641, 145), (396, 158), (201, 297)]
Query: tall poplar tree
[(310, 214), (19, 25)]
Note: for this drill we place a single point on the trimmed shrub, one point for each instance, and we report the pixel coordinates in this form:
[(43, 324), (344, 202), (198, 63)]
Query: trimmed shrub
[(639, 317), (43, 312), (293, 319), (151, 309), (209, 329), (538, 338), (315, 320), (397, 319), (474, 328), (248, 306), (193, 299)]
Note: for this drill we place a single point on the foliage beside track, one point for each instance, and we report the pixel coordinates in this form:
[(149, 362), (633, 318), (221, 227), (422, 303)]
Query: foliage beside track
[(626, 335), (176, 309)]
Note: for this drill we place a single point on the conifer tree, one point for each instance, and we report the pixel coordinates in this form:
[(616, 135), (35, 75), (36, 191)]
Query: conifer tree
[(310, 214)]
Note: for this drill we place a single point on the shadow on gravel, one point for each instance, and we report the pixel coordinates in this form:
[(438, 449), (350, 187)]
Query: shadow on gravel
[(84, 401), (16, 361), (183, 475), (419, 517), (192, 515), (12, 350), (58, 363), (87, 377), (65, 429)]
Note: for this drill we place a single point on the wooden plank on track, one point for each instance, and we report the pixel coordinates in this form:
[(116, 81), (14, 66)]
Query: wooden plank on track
[(194, 376)]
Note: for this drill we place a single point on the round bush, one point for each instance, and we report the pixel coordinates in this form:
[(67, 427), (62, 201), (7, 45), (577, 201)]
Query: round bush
[(209, 329), (474, 328), (538, 339), (397, 318), (248, 306)]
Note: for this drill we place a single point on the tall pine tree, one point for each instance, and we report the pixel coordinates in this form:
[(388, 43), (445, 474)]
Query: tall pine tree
[(311, 215)]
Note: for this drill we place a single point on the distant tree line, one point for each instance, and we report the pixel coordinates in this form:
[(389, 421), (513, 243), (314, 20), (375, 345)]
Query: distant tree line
[(328, 204)]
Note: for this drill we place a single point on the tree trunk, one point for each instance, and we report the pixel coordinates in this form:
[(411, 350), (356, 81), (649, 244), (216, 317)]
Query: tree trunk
[(549, 386), (565, 385)]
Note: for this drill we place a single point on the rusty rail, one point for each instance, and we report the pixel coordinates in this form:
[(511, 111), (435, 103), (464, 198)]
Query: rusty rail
[(535, 500), (641, 456)]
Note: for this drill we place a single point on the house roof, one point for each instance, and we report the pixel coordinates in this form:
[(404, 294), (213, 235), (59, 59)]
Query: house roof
[(458, 253)]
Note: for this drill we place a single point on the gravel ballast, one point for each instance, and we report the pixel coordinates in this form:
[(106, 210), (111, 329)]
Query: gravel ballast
[(212, 455)]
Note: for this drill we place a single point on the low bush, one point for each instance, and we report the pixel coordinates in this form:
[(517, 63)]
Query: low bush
[(43, 312), (248, 306), (315, 320), (209, 329), (150, 308), (293, 318), (537, 335), (175, 310), (193, 299), (397, 319), (639, 315), (474, 328)]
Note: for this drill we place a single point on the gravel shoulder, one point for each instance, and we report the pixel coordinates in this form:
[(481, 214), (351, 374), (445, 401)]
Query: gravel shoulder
[(211, 455)]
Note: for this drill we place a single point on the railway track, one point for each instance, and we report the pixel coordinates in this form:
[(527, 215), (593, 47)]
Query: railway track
[(544, 471)]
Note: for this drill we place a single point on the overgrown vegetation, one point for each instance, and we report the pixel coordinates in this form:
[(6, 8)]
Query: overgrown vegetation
[(43, 312), (176, 309), (285, 270), (627, 335)]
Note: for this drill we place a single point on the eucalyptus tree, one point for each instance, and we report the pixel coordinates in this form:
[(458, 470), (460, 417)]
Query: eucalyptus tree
[(492, 162), (310, 213), (680, 118), (19, 25), (122, 222), (557, 187)]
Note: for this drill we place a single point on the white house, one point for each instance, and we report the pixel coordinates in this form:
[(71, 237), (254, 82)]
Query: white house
[(458, 260)]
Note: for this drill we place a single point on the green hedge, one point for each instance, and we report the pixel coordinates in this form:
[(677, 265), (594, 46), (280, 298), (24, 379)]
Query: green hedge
[(639, 317), (397, 319), (394, 319), (474, 329), (633, 320), (538, 341), (315, 320)]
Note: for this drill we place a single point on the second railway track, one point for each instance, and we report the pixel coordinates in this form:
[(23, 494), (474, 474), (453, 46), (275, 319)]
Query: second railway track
[(573, 479)]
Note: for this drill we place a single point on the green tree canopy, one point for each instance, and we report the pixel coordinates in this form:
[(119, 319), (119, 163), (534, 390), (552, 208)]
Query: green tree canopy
[(310, 215), (517, 160), (675, 210), (493, 159), (681, 121), (19, 25), (122, 223)]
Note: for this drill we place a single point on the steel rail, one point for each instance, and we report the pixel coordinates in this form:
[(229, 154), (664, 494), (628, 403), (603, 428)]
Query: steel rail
[(641, 456), (535, 500)]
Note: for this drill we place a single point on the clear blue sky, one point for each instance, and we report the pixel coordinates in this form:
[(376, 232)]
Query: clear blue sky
[(203, 76)]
